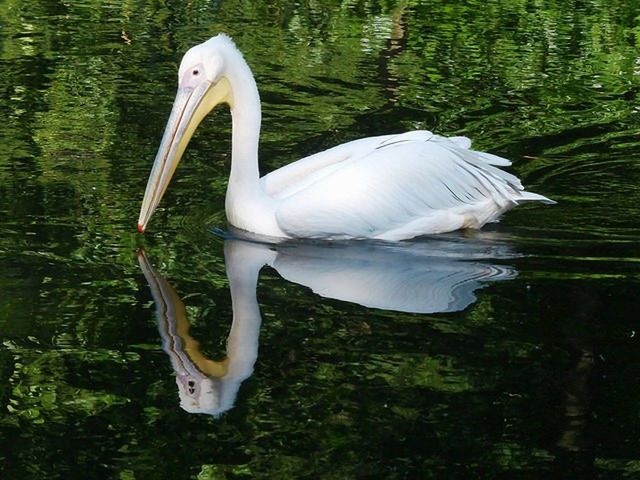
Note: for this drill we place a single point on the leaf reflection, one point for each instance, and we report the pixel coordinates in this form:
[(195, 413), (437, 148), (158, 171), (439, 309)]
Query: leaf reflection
[(439, 274)]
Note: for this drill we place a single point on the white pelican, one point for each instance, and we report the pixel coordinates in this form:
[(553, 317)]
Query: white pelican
[(432, 276), (391, 187), (205, 385)]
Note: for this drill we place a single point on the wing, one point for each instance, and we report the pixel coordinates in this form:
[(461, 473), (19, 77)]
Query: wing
[(298, 175), (423, 277), (399, 187)]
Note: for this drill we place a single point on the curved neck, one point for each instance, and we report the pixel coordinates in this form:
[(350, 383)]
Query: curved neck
[(246, 115), (247, 204), (243, 263)]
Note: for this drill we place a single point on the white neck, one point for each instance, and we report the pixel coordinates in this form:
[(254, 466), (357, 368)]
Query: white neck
[(246, 115), (247, 205), (243, 261)]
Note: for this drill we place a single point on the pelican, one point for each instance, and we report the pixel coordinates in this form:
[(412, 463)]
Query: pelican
[(431, 276), (205, 385), (390, 187)]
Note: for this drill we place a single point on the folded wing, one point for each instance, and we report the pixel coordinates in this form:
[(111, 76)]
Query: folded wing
[(394, 187)]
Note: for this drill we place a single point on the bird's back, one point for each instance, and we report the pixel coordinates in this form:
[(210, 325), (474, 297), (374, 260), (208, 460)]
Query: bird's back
[(393, 187)]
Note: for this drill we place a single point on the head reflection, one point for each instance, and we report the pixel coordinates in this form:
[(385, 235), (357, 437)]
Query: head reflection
[(431, 276), (204, 385)]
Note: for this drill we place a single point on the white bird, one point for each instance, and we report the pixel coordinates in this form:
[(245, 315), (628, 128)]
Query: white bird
[(206, 385), (390, 187), (431, 276)]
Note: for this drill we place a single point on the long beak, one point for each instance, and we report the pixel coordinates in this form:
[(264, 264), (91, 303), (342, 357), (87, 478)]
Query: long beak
[(190, 106)]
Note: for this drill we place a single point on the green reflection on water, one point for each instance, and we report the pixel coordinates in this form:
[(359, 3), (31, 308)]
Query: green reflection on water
[(536, 377)]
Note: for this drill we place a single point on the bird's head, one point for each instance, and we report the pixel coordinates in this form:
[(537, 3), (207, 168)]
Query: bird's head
[(203, 83)]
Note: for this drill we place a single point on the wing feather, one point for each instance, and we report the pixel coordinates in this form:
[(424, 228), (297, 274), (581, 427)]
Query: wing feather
[(383, 184), (296, 176)]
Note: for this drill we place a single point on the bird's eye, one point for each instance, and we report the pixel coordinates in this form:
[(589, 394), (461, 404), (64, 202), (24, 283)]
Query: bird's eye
[(196, 72)]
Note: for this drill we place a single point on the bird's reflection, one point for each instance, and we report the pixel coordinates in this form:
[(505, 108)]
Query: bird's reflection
[(434, 275), (205, 385)]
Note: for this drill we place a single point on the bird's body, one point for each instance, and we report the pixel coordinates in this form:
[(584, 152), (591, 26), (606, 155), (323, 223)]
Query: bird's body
[(391, 187)]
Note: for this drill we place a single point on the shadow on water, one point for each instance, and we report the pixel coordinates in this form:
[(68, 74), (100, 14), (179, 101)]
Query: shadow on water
[(436, 275)]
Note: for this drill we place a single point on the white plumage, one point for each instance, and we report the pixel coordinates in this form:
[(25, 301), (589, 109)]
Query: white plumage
[(431, 276), (391, 187)]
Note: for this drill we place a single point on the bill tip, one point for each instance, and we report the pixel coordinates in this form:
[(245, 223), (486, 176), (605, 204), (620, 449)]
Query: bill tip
[(140, 228)]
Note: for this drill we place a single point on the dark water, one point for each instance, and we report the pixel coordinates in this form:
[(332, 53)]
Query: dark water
[(523, 362)]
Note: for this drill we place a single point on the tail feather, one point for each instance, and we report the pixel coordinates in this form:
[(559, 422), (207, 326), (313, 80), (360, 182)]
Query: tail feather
[(534, 197)]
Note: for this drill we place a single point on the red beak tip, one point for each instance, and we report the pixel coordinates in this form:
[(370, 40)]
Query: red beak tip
[(140, 228)]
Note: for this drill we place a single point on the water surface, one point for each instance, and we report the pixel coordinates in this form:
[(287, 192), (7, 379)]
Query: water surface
[(526, 367)]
